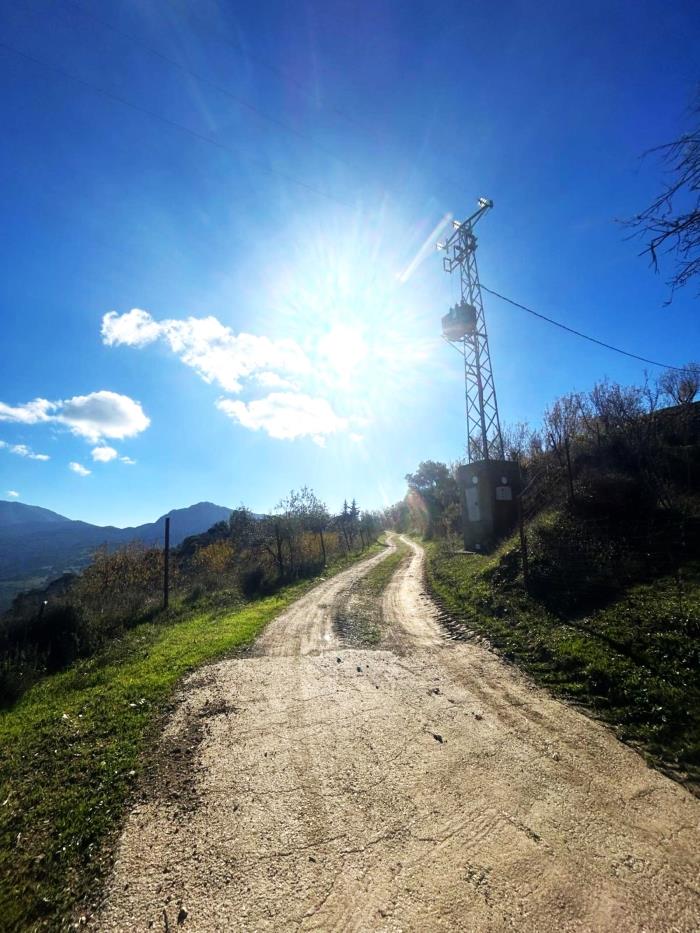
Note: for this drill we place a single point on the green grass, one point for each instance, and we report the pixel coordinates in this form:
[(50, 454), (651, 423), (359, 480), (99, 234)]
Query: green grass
[(72, 748), (367, 624), (634, 662)]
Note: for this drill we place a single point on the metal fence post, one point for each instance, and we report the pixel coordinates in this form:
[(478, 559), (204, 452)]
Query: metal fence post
[(166, 564)]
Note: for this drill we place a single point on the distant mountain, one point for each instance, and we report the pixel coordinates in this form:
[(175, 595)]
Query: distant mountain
[(37, 545), (183, 523), (17, 513)]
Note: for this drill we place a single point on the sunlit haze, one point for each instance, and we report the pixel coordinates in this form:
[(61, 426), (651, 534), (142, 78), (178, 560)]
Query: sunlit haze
[(220, 280)]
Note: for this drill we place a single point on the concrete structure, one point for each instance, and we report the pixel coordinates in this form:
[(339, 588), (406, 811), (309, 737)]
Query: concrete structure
[(489, 490)]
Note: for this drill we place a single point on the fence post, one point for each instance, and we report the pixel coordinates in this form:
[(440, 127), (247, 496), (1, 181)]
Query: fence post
[(166, 564), (523, 540)]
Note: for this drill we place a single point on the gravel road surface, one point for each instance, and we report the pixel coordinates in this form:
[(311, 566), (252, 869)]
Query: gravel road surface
[(423, 786)]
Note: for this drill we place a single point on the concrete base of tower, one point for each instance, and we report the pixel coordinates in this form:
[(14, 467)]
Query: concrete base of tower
[(489, 490)]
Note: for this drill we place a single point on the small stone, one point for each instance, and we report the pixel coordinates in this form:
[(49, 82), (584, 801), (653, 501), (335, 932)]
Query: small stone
[(182, 916), (478, 716), (437, 737), (359, 669), (339, 660)]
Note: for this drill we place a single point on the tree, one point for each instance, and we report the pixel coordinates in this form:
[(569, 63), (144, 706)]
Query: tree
[(242, 525), (353, 521), (671, 223), (214, 561), (681, 386), (520, 442), (561, 424), (316, 516), (433, 490)]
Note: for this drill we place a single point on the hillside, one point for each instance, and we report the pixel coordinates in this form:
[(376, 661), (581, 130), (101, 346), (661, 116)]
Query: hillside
[(37, 544), (599, 599)]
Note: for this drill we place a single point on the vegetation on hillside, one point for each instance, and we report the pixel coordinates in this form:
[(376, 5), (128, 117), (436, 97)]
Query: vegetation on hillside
[(633, 660), (246, 558)]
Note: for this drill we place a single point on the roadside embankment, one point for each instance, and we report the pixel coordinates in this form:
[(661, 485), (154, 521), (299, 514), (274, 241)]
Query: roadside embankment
[(633, 662)]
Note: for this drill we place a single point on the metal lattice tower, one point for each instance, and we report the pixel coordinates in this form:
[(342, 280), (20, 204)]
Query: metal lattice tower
[(465, 325)]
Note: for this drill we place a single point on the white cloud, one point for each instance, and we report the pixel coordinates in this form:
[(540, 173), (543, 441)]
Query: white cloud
[(103, 414), (93, 416), (127, 460), (286, 415), (136, 328), (209, 347), (103, 454), (13, 494), (79, 469), (21, 450), (29, 413), (279, 367)]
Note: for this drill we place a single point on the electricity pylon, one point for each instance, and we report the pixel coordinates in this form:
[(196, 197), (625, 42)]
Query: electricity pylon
[(465, 325)]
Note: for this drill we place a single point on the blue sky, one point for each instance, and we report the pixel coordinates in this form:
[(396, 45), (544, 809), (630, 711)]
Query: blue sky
[(284, 334)]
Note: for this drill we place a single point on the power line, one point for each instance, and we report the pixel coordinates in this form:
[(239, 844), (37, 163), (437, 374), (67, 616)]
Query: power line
[(205, 30), (577, 333), (241, 101), (180, 126)]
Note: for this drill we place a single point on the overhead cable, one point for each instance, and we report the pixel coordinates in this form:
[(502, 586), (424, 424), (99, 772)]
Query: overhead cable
[(578, 333)]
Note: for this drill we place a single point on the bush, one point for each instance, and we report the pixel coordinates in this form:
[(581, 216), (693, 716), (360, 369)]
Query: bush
[(613, 496), (573, 565), (61, 634)]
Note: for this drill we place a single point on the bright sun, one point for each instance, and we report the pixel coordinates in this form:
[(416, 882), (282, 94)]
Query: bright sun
[(352, 300)]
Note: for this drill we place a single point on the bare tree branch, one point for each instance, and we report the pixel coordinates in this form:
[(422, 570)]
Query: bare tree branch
[(671, 223)]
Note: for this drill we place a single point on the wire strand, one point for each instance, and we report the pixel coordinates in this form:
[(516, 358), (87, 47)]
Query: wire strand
[(240, 101), (173, 123), (578, 333)]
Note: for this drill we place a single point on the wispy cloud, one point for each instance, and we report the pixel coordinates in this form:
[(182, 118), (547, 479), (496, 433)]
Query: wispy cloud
[(127, 460), (286, 415), (13, 494), (79, 468), (21, 450), (30, 413), (93, 416)]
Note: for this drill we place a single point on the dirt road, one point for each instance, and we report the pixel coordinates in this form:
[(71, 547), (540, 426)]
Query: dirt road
[(423, 786)]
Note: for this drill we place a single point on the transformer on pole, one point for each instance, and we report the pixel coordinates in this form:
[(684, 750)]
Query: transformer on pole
[(465, 325), (488, 483)]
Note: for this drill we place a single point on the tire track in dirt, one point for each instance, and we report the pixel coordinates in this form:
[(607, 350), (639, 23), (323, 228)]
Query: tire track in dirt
[(429, 787), (411, 615), (307, 626)]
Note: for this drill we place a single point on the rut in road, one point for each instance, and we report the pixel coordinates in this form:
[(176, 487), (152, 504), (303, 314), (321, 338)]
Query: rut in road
[(428, 787)]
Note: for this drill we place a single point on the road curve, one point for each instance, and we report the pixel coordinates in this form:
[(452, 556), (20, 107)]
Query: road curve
[(409, 613), (307, 626), (431, 789)]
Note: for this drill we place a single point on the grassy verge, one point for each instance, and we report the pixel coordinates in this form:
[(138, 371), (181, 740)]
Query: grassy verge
[(634, 662), (70, 753)]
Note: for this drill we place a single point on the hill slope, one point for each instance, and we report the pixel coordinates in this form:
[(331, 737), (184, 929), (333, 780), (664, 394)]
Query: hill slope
[(37, 544)]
